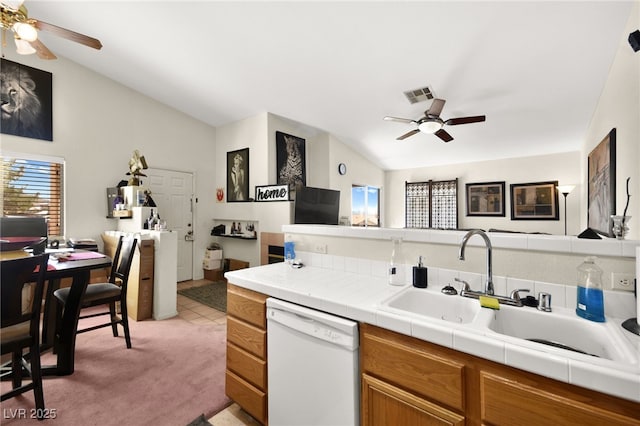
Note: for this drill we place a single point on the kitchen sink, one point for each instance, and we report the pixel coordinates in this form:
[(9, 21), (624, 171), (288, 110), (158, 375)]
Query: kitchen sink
[(565, 330), (432, 304)]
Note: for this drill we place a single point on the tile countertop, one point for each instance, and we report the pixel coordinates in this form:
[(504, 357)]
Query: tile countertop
[(357, 296)]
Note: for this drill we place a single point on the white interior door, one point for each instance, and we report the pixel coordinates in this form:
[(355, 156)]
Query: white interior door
[(173, 194)]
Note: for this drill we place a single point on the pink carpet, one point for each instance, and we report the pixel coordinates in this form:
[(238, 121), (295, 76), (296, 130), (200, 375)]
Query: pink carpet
[(173, 373)]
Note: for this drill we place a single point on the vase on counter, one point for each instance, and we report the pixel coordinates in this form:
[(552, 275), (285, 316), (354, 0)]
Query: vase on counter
[(620, 228)]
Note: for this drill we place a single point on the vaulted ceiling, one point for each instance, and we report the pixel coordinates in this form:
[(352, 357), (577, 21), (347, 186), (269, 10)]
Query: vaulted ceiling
[(535, 69)]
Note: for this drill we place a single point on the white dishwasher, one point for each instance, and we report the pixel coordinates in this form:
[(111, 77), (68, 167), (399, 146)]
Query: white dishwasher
[(312, 360)]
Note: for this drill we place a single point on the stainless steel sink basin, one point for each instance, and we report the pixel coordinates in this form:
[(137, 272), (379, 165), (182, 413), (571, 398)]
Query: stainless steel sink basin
[(432, 304), (563, 330)]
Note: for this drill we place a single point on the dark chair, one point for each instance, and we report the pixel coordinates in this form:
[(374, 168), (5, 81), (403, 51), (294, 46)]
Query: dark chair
[(21, 324), (108, 293)]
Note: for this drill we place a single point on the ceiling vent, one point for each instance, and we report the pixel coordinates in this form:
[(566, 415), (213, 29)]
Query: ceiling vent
[(419, 95)]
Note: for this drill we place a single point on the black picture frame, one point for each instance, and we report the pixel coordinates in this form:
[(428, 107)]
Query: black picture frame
[(290, 161), (28, 111), (485, 199), (238, 175), (601, 185), (535, 201)]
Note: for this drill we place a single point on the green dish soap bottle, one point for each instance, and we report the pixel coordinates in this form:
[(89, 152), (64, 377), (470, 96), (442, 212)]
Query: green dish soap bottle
[(590, 299)]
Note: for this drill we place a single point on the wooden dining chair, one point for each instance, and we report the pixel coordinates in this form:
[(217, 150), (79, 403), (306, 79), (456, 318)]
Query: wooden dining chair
[(108, 293), (21, 303)]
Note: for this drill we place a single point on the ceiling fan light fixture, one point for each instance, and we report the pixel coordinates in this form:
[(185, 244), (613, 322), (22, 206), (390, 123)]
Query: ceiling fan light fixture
[(25, 31), (23, 47), (12, 4), (430, 126)]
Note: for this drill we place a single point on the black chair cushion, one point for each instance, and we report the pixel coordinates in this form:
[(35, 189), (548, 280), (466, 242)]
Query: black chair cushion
[(94, 292)]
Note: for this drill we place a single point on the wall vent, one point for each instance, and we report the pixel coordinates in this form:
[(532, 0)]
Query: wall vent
[(419, 95)]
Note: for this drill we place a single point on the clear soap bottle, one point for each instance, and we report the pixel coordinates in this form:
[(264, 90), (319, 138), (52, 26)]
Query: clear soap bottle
[(590, 298), (396, 264)]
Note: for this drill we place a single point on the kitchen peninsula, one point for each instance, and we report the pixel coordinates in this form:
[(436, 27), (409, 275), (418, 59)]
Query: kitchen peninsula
[(482, 368)]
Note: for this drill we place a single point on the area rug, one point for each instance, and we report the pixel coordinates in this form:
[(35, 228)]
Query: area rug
[(213, 295), (173, 373)]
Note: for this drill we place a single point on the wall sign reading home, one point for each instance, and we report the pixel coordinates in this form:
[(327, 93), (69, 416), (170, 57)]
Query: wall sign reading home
[(272, 193)]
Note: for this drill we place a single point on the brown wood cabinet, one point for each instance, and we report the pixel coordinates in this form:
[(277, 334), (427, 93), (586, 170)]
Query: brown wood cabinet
[(412, 382), (140, 285), (246, 374)]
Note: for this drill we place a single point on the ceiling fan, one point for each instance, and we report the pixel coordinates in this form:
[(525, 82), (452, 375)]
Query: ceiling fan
[(14, 18), (432, 123)]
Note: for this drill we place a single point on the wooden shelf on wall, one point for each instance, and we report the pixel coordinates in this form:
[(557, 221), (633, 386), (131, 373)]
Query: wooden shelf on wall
[(237, 237)]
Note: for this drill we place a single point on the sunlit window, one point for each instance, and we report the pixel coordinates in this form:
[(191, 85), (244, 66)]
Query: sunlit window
[(365, 206), (33, 187)]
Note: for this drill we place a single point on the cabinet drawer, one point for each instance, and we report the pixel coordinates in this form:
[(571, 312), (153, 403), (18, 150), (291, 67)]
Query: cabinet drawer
[(384, 404), (251, 399), (247, 366), (248, 337), (248, 305), (403, 361), (506, 401)]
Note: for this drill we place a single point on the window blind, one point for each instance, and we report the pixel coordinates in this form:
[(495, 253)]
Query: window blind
[(33, 187)]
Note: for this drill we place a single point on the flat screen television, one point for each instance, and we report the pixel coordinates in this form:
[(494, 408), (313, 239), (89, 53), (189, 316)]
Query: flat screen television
[(316, 206)]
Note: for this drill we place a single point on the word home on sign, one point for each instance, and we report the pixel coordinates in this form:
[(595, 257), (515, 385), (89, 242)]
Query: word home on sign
[(272, 193)]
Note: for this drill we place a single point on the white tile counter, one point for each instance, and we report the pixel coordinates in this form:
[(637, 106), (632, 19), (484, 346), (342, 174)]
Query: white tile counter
[(357, 290)]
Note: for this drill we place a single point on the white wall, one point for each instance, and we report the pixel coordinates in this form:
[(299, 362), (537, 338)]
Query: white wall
[(619, 107), (565, 168), (97, 123), (360, 171), (323, 153)]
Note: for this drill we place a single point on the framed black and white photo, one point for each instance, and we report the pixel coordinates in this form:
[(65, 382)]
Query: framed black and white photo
[(601, 181), (290, 161), (534, 201), (485, 199), (238, 175), (26, 101)]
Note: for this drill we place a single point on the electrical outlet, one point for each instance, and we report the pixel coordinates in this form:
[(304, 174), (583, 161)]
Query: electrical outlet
[(622, 281), (320, 248)]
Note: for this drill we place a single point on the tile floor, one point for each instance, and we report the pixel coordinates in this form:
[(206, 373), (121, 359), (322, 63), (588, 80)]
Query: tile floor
[(197, 313)]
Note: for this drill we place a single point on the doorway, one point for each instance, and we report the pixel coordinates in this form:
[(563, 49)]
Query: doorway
[(172, 192)]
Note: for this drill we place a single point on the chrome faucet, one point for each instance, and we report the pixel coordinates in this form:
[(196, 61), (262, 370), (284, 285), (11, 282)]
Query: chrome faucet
[(489, 284)]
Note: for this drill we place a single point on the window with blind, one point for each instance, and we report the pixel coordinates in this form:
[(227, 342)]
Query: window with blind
[(33, 187), (432, 204)]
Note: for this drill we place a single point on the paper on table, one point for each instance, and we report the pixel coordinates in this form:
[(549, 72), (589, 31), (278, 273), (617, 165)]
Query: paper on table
[(83, 255)]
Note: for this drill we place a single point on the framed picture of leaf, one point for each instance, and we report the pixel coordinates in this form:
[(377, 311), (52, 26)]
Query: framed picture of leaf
[(601, 181)]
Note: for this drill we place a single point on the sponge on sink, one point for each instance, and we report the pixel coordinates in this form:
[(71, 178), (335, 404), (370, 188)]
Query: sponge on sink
[(489, 302)]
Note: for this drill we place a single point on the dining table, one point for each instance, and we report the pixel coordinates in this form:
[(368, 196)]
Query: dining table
[(59, 327)]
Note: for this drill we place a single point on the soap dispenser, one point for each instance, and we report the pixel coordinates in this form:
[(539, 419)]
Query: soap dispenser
[(420, 275), (396, 264), (590, 299)]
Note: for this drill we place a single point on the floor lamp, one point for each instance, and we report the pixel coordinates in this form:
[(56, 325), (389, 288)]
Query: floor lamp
[(565, 190)]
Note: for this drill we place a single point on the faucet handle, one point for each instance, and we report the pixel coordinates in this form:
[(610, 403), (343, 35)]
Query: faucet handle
[(465, 285), (515, 294)]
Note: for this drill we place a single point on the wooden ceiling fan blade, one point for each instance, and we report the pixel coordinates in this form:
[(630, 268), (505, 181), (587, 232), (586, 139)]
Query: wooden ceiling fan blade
[(42, 51), (436, 108), (69, 35), (399, 120), (442, 134), (406, 135), (465, 120)]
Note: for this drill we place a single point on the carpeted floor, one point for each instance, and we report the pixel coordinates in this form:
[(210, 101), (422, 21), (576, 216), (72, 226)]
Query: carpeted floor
[(213, 295), (174, 371)]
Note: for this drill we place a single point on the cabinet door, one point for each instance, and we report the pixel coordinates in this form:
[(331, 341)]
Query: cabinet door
[(384, 404), (505, 401)]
